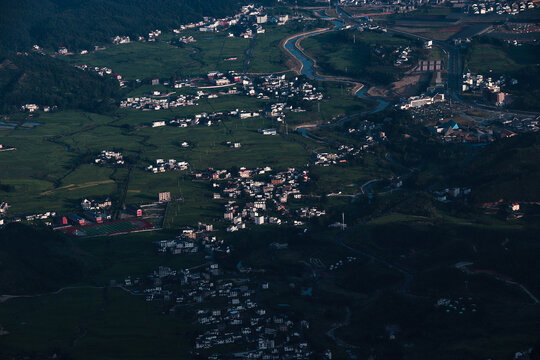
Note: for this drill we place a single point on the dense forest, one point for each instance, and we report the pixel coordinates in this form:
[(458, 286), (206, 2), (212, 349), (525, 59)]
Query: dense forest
[(38, 79), (80, 24)]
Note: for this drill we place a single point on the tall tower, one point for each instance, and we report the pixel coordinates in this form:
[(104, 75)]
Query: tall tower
[(296, 7)]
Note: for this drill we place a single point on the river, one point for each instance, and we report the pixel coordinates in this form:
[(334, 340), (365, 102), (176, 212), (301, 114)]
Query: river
[(309, 70)]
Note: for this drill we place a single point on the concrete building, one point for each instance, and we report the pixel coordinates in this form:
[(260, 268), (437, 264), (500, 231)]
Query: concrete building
[(164, 196)]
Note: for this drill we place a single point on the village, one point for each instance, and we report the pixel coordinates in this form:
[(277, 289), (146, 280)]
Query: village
[(228, 310), (236, 201)]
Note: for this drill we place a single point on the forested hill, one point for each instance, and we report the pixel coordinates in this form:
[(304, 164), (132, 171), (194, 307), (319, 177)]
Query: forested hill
[(34, 261), (507, 169), (39, 79), (81, 24)]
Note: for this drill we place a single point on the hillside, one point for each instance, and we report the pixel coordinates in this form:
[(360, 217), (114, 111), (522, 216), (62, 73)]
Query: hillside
[(42, 80), (507, 169), (33, 261), (81, 24)]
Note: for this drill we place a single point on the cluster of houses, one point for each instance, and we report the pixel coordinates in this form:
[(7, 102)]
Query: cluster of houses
[(96, 205), (4, 206), (451, 132), (233, 145), (162, 166), (263, 188), (340, 263), (267, 336), (109, 157), (192, 240), (459, 306), (40, 216), (102, 71), (369, 130), (402, 55), (34, 107), (327, 159), (250, 19), (500, 7), (529, 124), (367, 25), (485, 132), (93, 211), (153, 35), (187, 39), (422, 100), (489, 88), (218, 78), (207, 119), (228, 313), (310, 212), (117, 40), (450, 194), (263, 87), (279, 87), (62, 50), (344, 152), (159, 102)]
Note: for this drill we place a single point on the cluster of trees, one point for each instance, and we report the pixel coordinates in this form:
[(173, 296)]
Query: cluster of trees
[(80, 24), (42, 80)]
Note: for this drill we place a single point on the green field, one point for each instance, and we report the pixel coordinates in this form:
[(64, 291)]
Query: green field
[(91, 323), (354, 54), (52, 169), (267, 55), (148, 60), (487, 58)]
